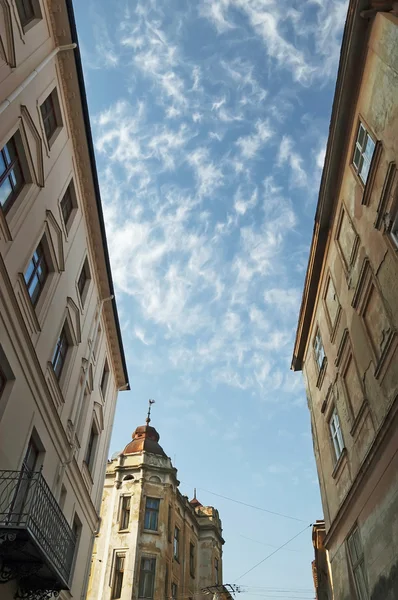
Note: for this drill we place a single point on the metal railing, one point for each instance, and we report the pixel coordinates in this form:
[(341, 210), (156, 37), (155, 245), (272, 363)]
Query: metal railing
[(27, 503)]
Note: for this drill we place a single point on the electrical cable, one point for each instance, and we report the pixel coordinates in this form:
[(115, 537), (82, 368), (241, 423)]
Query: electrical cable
[(271, 512), (274, 552)]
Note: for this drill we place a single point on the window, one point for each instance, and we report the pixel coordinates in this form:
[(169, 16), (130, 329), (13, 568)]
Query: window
[(118, 576), (28, 11), (358, 564), (363, 152), (3, 381), (151, 514), (125, 512), (11, 174), (176, 543), (36, 274), (192, 559), (51, 115), (216, 571), (174, 591), (67, 204), (91, 448), (147, 577), (104, 383), (318, 350), (335, 431), (60, 353), (166, 583), (82, 282)]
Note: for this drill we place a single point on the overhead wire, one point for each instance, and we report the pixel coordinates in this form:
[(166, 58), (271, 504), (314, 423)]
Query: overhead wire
[(271, 512), (274, 552)]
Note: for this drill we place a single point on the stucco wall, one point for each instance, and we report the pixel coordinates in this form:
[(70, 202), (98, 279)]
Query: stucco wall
[(359, 336)]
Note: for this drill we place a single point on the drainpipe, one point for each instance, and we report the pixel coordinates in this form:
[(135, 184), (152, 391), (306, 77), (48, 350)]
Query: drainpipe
[(81, 396), (6, 103)]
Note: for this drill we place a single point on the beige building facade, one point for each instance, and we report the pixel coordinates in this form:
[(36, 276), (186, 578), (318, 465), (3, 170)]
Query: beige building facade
[(153, 543), (61, 355), (347, 340)]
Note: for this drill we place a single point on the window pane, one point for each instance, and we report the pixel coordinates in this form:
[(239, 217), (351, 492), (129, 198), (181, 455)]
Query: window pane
[(5, 191), (2, 162), (360, 578), (369, 148), (361, 135)]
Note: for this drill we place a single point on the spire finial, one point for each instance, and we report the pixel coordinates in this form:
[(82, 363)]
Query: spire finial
[(148, 419), (194, 493)]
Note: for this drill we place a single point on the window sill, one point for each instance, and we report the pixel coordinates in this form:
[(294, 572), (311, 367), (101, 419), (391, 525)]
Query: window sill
[(28, 26), (176, 559), (321, 374), (54, 387), (152, 531), (124, 530), (338, 468)]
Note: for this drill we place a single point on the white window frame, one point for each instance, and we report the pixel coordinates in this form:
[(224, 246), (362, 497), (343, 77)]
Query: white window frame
[(336, 433), (319, 350), (361, 158)]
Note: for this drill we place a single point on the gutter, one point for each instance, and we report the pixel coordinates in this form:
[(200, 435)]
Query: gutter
[(86, 117)]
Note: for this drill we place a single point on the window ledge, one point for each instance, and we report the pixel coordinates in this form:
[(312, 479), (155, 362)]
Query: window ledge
[(53, 385), (338, 468), (176, 559), (152, 531), (363, 409), (124, 530), (321, 374)]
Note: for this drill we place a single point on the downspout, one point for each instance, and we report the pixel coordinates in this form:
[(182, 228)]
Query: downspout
[(6, 103)]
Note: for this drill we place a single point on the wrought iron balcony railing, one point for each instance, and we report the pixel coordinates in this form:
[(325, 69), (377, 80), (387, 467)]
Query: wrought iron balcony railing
[(36, 541)]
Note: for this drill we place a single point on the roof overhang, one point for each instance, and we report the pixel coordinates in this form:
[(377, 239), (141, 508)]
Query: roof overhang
[(352, 60)]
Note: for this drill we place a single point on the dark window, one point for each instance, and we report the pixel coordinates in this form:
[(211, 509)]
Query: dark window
[(336, 434), (319, 350), (125, 512), (216, 571), (147, 577), (60, 353), (49, 115), (11, 175), (91, 448), (166, 583), (77, 530), (3, 381), (82, 281), (192, 560), (36, 274), (358, 564), (151, 514), (104, 383), (28, 10), (169, 532), (174, 591), (67, 204), (118, 576), (176, 543), (363, 153)]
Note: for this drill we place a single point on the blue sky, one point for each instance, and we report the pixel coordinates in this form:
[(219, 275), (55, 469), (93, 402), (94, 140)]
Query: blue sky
[(210, 120)]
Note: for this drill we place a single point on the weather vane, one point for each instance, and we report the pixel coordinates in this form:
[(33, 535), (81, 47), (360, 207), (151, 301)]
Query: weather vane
[(148, 419)]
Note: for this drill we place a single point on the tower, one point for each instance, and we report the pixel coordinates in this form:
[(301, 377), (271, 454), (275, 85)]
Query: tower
[(153, 542)]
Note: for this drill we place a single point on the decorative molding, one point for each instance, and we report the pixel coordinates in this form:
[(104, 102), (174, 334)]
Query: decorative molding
[(383, 218), (367, 192), (9, 47), (5, 233), (321, 374), (340, 464), (30, 127), (53, 386), (74, 320), (54, 232), (348, 262), (26, 306), (360, 418)]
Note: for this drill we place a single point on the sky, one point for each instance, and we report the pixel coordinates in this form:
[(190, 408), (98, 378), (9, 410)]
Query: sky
[(210, 120)]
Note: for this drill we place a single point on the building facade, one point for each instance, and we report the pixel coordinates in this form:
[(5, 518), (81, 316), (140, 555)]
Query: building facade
[(61, 355), (346, 343), (321, 564), (153, 543)]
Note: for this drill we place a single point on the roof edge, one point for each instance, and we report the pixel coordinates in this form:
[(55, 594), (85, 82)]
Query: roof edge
[(90, 144), (350, 68)]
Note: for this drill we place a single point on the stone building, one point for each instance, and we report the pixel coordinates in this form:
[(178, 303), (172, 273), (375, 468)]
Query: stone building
[(346, 343), (321, 564), (61, 354), (153, 543)]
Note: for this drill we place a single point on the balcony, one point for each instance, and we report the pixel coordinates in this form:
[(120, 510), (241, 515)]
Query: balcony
[(36, 543)]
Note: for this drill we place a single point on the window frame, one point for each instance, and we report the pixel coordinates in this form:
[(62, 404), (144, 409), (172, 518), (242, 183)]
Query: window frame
[(143, 577), (11, 163), (65, 338), (124, 510), (357, 563), (336, 434), (361, 149), (176, 543), (67, 201), (118, 575), (38, 263), (3, 381), (150, 513), (54, 114), (26, 24), (91, 448), (83, 283), (104, 379), (319, 350), (174, 590)]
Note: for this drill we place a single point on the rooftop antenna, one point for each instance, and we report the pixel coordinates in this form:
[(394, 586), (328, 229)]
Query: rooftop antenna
[(148, 419)]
